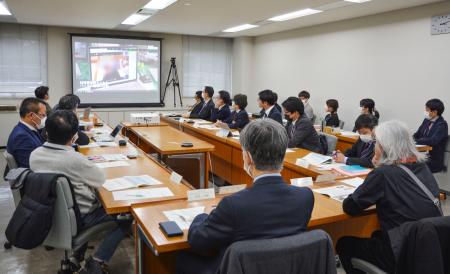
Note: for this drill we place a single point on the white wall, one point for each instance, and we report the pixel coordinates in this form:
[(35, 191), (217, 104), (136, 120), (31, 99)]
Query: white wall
[(390, 57)]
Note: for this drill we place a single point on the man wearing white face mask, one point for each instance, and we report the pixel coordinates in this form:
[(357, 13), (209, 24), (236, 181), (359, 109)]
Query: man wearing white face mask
[(58, 156), (270, 208), (434, 132), (304, 97), (25, 137), (361, 153)]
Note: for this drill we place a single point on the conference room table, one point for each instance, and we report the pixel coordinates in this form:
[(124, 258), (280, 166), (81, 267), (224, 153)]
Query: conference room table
[(226, 159), (142, 165), (156, 253), (168, 142), (347, 141)]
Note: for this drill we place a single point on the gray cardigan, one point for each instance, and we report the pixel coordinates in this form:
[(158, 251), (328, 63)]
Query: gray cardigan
[(84, 175)]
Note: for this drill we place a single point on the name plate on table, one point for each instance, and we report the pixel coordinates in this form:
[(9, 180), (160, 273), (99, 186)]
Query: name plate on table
[(223, 133), (201, 194), (326, 178), (302, 182), (175, 177), (302, 163), (231, 189)]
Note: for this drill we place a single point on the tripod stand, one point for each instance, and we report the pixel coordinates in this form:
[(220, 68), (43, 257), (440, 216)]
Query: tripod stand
[(174, 82)]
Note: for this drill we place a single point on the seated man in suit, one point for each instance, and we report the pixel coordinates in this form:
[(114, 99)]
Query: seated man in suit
[(300, 130), (304, 96), (58, 156), (434, 132), (266, 102), (26, 135), (195, 109), (270, 208), (71, 102), (221, 110), (361, 153), (239, 117), (208, 105)]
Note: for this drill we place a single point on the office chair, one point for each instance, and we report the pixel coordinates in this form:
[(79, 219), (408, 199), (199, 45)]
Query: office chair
[(11, 164), (64, 233), (366, 267), (443, 177)]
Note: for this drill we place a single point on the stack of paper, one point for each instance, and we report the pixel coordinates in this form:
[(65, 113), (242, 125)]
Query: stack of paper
[(112, 164), (338, 193), (317, 159), (142, 193), (107, 144), (330, 166), (212, 127), (107, 158), (184, 217), (127, 182), (349, 133), (353, 170), (354, 182), (90, 145)]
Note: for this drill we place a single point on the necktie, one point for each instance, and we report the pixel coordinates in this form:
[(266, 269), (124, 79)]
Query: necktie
[(204, 105), (265, 115), (366, 152), (292, 129), (427, 130)]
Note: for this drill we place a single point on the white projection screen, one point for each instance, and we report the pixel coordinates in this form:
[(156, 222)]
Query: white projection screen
[(111, 71)]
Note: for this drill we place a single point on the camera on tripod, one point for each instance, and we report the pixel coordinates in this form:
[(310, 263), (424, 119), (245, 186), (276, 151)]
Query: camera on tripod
[(172, 80)]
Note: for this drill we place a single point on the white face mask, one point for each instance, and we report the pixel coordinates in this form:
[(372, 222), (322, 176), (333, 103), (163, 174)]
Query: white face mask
[(366, 138), (41, 125), (247, 168), (326, 109), (304, 101), (427, 115), (361, 109), (75, 138)]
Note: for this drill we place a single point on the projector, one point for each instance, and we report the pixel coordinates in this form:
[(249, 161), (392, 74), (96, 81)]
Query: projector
[(145, 118)]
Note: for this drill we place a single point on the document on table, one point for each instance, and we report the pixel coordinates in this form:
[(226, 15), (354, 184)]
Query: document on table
[(338, 193), (107, 158), (354, 182), (107, 144), (142, 193), (127, 182), (90, 145), (317, 159), (112, 164), (330, 166), (288, 150), (184, 217)]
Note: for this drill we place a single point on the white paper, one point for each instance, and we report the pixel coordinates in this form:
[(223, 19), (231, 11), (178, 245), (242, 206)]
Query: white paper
[(114, 157), (212, 127), (354, 182), (302, 182), (90, 145), (201, 194), (175, 177), (223, 133), (317, 159), (338, 193), (326, 178), (127, 182), (142, 193), (112, 164), (420, 145), (289, 150), (184, 217), (330, 166), (231, 189), (302, 163), (100, 131), (82, 123), (108, 144)]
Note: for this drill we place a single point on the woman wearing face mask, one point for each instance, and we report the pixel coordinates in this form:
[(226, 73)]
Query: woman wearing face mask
[(300, 130), (361, 153), (221, 111), (398, 197), (197, 107), (434, 132), (331, 117), (367, 106), (239, 117)]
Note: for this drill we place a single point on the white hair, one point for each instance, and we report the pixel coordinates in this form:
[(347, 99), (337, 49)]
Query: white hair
[(396, 142)]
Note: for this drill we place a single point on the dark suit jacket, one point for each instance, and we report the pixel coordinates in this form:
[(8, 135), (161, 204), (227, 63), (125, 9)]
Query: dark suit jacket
[(274, 114), (304, 135), (332, 120), (197, 107), (220, 114), (238, 119), (205, 111), (21, 142), (270, 208), (436, 137), (354, 154)]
